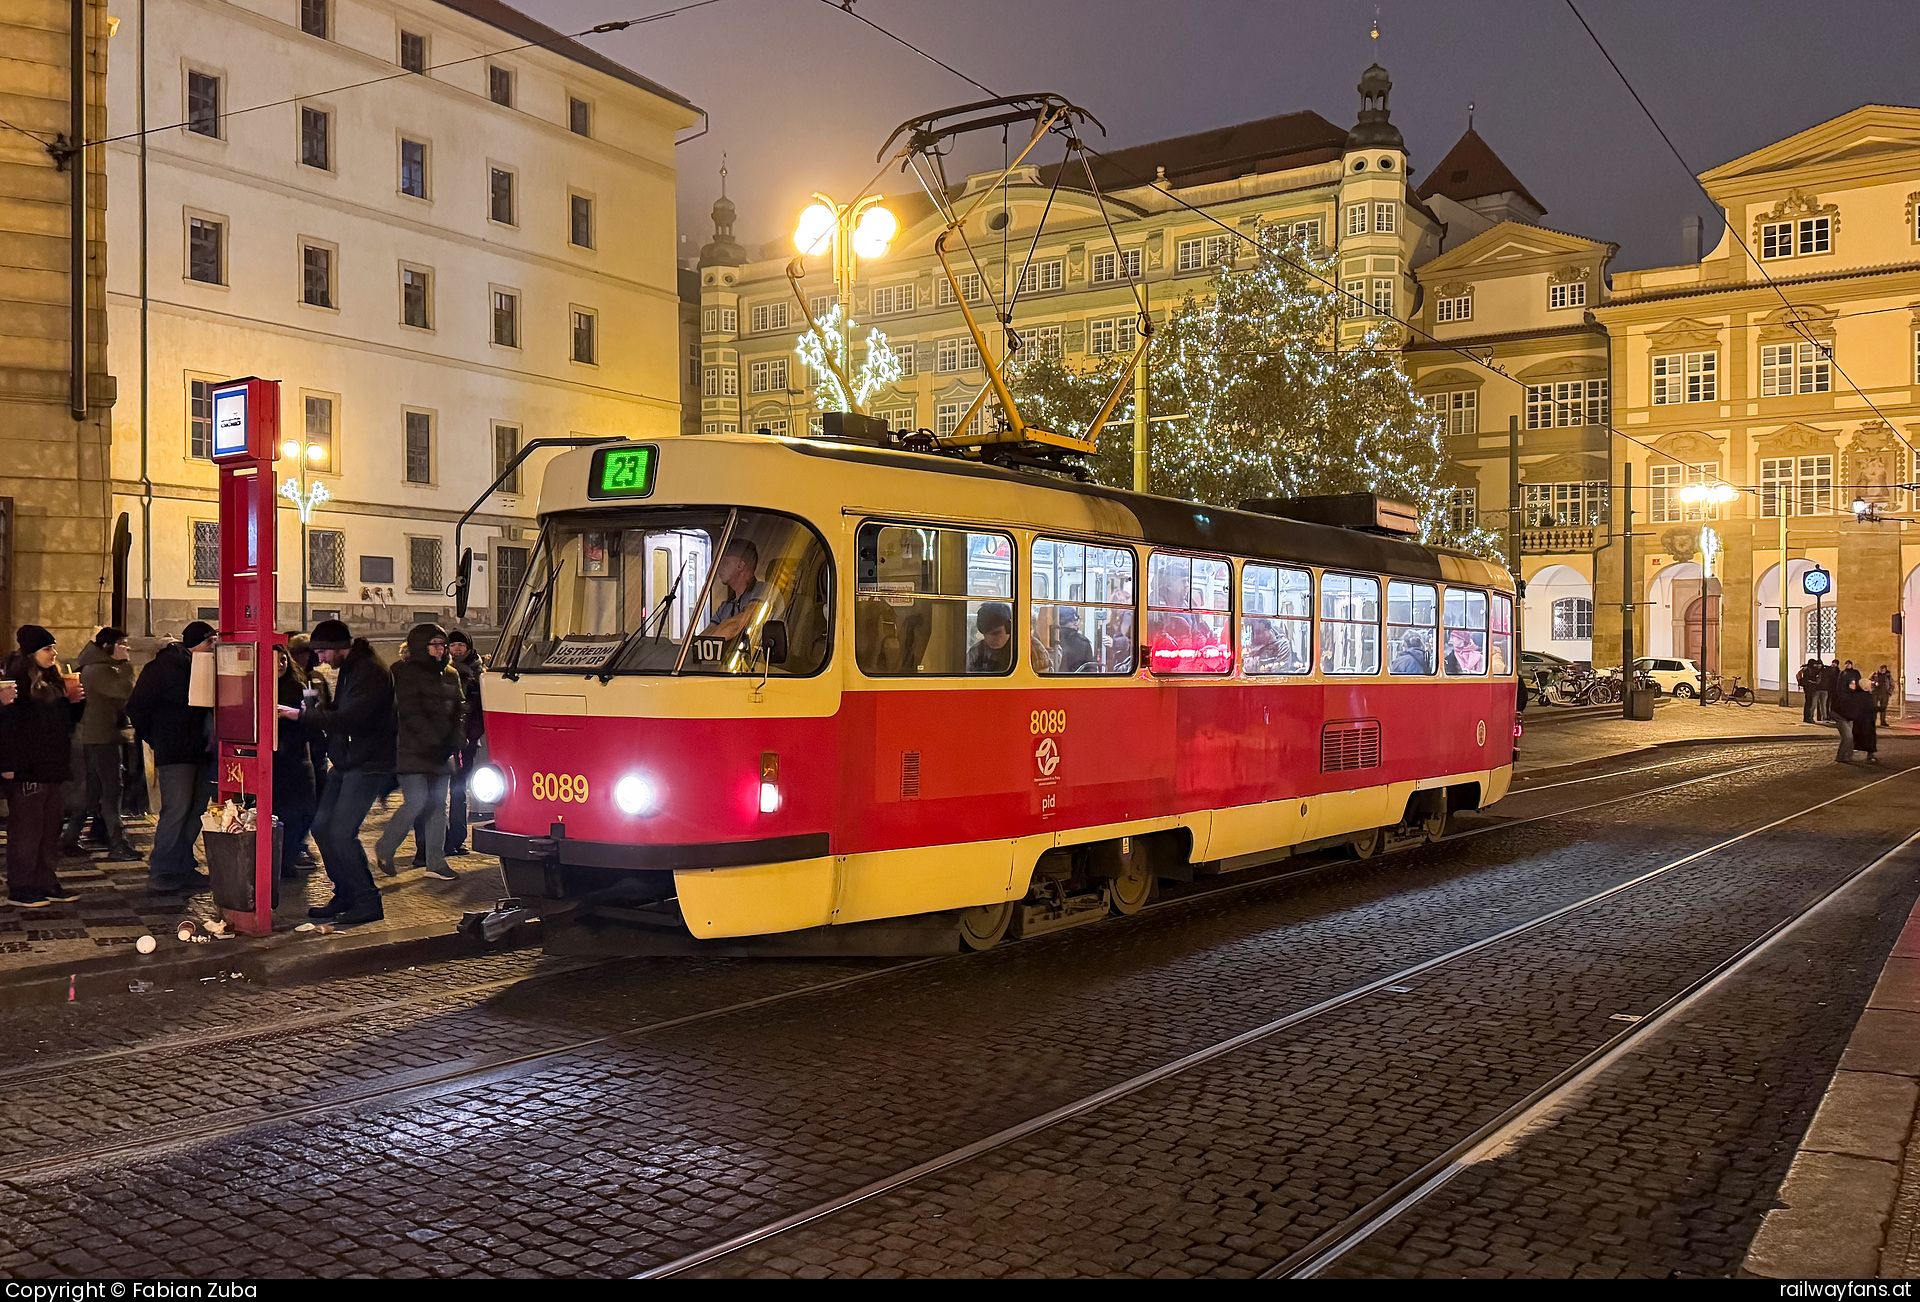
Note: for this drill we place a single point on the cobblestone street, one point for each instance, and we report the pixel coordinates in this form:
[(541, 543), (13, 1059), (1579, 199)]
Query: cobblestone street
[(1240, 1078)]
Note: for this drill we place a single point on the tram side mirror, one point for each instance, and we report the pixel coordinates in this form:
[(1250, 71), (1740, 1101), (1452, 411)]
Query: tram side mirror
[(773, 640), (464, 584)]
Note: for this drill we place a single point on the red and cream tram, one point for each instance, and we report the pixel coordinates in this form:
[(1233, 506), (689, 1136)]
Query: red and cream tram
[(790, 696)]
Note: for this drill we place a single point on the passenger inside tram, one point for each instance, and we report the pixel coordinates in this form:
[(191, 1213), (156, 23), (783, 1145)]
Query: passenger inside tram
[(1073, 652), (993, 653)]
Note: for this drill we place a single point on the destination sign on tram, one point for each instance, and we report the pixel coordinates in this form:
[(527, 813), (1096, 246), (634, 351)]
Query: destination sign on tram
[(623, 472)]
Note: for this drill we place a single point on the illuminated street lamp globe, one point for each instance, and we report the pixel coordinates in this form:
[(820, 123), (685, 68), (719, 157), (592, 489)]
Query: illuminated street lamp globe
[(875, 232), (1716, 494), (815, 229)]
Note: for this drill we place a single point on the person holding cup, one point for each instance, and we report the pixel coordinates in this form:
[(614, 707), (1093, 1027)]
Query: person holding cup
[(36, 761)]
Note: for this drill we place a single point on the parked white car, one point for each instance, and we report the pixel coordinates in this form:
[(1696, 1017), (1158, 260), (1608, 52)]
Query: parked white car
[(1674, 677)]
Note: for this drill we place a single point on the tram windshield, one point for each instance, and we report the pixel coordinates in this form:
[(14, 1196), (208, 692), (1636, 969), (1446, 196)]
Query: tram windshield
[(672, 591)]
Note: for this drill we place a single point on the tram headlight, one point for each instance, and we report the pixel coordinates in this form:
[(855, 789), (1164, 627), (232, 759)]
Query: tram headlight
[(488, 785), (634, 795)]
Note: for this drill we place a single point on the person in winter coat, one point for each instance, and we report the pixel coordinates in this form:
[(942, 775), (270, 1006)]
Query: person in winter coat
[(178, 733), (106, 673), (1829, 689), (1882, 692), (1853, 712), (37, 762), (430, 700), (1810, 698), (465, 663), (359, 727), (294, 799)]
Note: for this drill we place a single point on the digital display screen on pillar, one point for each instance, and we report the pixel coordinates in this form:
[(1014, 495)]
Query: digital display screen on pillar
[(622, 472), (229, 421)]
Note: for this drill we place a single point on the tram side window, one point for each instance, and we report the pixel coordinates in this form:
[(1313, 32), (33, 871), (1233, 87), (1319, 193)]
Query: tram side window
[(1276, 620), (934, 601), (1189, 606), (1082, 605), (1466, 624), (1349, 624), (1500, 641), (1412, 609)]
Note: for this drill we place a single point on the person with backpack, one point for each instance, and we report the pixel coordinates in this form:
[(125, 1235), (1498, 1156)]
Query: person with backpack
[(37, 762), (430, 704), (178, 732)]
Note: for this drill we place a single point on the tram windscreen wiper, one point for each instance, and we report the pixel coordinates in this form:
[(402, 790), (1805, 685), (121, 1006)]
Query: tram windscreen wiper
[(656, 619), (535, 605)]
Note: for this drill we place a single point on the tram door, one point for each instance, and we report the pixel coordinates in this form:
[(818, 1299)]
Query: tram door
[(676, 556)]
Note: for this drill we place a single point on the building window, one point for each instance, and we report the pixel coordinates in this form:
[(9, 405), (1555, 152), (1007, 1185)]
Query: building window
[(413, 168), (423, 565), (1666, 481), (506, 446), (693, 366), (1114, 334), (580, 221), (203, 104), (1566, 403), (1795, 368), (1356, 219), (1459, 411), (500, 196), (1220, 250), (1463, 509), (1041, 277), (899, 418), (416, 298), (769, 316), (710, 385), (319, 449), (721, 382), (327, 558), (1569, 505), (417, 427), (1040, 341), (579, 116), (889, 300), (200, 418), (768, 376), (969, 288), (500, 86), (1796, 239), (206, 251), (413, 52), (313, 18), (316, 275), (903, 353), (1685, 377), (206, 552), (956, 355), (1799, 485), (729, 427), (946, 419), (315, 133), (1307, 234), (778, 428), (729, 320), (1112, 266), (1383, 296), (586, 337), (1453, 309), (1572, 619), (820, 305), (1353, 293), (1190, 255), (1383, 218), (506, 319), (1571, 294)]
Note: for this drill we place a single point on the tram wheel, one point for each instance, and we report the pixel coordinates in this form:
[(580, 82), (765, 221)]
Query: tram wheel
[(1366, 845), (1129, 893), (1435, 826), (982, 926)]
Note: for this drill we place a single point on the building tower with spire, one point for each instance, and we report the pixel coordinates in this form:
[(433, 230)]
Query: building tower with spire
[(1381, 231), (720, 260)]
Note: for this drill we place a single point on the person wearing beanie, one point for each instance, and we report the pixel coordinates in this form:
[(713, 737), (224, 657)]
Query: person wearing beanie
[(460, 655), (106, 672), (430, 701), (36, 760), (359, 727), (178, 732)]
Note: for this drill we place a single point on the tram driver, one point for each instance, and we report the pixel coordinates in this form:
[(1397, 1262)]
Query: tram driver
[(738, 573)]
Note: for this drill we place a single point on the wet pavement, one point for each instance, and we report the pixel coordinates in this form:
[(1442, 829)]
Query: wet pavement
[(513, 1115)]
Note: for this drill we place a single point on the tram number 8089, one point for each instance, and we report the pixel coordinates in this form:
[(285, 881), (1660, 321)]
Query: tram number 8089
[(1047, 723), (566, 788)]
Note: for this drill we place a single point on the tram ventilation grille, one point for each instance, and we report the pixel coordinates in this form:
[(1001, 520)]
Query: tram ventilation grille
[(909, 775), (1350, 744)]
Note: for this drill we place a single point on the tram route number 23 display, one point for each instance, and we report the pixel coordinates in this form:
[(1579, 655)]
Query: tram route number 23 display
[(566, 788)]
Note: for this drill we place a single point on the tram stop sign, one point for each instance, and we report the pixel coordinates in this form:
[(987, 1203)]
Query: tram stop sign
[(1816, 582)]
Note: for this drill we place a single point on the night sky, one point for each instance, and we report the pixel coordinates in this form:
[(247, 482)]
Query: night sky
[(802, 96)]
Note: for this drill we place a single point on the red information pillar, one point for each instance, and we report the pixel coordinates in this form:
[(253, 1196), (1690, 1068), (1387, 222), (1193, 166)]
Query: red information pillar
[(246, 438)]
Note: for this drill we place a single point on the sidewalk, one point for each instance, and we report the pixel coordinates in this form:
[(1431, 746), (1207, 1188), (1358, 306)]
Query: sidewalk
[(87, 946), (1558, 739), (1851, 1200)]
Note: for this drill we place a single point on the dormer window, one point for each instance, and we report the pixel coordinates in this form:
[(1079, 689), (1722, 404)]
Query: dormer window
[(1459, 308), (1796, 239), (1571, 294)]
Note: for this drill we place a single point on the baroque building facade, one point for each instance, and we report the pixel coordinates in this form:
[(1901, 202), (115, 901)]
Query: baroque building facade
[(469, 245)]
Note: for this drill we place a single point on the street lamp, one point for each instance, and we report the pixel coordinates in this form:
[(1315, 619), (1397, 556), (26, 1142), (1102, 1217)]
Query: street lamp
[(1715, 494), (305, 498), (861, 229)]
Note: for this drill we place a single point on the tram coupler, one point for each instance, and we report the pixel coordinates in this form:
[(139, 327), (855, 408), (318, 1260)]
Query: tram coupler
[(504, 916)]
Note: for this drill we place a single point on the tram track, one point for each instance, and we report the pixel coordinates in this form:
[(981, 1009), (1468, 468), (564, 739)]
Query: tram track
[(1328, 1246), (451, 1076)]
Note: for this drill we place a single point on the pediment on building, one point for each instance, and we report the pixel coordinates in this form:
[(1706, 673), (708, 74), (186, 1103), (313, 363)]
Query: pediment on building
[(1572, 468), (1690, 446), (1874, 132), (1797, 440), (1452, 378), (1685, 333), (1580, 364), (1801, 321), (1512, 242)]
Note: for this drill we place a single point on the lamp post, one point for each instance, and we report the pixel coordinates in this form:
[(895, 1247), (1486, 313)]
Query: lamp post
[(1706, 495), (305, 498), (861, 229)]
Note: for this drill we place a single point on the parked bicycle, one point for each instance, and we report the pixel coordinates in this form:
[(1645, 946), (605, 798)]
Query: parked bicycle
[(1738, 694)]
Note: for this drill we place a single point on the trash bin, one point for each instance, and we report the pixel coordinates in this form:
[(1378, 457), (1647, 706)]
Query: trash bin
[(230, 862), (1640, 702)]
